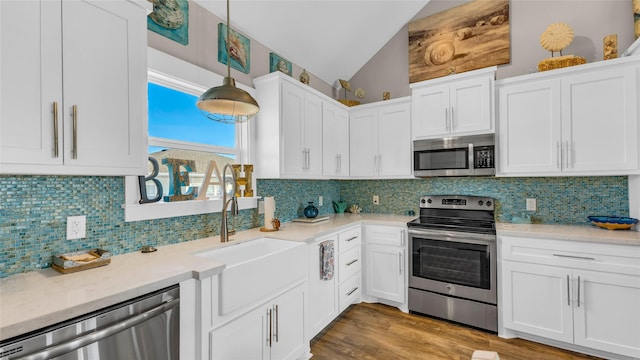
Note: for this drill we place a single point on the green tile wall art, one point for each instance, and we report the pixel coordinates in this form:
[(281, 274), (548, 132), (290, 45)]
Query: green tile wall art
[(170, 18), (239, 49), (276, 63)]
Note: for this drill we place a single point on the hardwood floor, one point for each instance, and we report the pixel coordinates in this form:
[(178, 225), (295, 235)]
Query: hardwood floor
[(376, 331)]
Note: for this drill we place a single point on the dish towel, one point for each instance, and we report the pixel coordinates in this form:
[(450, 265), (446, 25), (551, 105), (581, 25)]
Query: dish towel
[(326, 260)]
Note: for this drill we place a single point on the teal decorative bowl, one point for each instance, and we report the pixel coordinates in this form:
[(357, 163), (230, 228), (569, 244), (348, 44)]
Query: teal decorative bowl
[(613, 222)]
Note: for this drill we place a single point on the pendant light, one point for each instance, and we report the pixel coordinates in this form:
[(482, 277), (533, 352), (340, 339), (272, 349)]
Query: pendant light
[(227, 103)]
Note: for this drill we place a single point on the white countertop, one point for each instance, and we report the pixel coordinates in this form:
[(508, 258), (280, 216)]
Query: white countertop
[(587, 233), (36, 299)]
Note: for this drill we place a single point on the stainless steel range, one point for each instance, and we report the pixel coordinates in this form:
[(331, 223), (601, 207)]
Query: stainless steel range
[(453, 260)]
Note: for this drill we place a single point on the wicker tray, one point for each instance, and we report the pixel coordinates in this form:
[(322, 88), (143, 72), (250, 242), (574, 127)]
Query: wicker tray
[(560, 62), (80, 260)]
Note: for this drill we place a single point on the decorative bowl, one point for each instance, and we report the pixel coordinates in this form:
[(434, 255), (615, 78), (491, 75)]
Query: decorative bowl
[(613, 222)]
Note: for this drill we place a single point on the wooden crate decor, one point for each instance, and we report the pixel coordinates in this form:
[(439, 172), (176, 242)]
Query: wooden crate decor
[(471, 36)]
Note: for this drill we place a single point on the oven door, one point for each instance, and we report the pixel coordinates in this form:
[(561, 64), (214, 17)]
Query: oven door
[(454, 264)]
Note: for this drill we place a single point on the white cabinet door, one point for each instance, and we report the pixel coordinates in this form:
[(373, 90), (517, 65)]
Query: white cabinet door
[(394, 140), (288, 325), (537, 300), (471, 105), (102, 77), (431, 111), (312, 134), (607, 316), (243, 338), (293, 154), (301, 114), (363, 144), (600, 121), (335, 141), (323, 307), (30, 82), (75, 64), (385, 272), (529, 128), (273, 331)]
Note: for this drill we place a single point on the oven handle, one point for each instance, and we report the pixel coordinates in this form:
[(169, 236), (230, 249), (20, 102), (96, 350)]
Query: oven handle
[(454, 236)]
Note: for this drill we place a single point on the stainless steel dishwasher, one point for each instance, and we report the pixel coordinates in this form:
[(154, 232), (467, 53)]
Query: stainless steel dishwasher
[(144, 328)]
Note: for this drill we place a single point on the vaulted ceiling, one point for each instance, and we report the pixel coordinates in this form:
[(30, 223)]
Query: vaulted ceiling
[(331, 39)]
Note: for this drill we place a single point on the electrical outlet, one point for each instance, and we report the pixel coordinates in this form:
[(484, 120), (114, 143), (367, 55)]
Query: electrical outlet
[(319, 200), (532, 205), (76, 227), (376, 200), (260, 206)]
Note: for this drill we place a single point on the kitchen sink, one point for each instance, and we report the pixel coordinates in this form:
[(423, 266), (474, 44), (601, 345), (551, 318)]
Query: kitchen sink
[(255, 269)]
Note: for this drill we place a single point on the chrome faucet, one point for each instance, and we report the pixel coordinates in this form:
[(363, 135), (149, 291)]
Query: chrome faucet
[(224, 228)]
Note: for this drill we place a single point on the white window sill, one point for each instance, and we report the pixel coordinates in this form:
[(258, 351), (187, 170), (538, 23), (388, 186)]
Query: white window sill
[(133, 211)]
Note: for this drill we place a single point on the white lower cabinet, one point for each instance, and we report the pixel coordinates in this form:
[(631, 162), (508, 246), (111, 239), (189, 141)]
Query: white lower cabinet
[(328, 298), (386, 263), (581, 294), (272, 331), (323, 303)]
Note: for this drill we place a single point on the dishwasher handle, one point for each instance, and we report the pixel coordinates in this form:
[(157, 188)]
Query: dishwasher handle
[(85, 340)]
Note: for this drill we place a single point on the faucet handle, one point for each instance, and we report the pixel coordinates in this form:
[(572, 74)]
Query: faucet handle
[(234, 206)]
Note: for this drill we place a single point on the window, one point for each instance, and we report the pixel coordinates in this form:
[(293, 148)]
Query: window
[(177, 129)]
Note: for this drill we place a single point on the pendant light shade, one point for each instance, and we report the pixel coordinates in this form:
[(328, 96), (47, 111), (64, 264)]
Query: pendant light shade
[(227, 103)]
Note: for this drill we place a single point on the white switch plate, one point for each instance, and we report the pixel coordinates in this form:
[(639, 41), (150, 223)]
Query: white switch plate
[(319, 200), (532, 205), (376, 200), (76, 227), (260, 206)]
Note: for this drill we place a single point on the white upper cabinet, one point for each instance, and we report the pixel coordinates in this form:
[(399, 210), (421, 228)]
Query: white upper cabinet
[(575, 121), (380, 139), (455, 105), (335, 141), (73, 95), (289, 129)]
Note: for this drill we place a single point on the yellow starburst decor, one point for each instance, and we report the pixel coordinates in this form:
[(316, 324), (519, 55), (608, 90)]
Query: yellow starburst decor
[(555, 39)]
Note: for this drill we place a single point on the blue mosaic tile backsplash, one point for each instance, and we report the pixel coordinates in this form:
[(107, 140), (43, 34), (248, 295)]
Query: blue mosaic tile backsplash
[(33, 209)]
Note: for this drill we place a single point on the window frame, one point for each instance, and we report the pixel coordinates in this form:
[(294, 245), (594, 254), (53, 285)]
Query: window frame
[(168, 71)]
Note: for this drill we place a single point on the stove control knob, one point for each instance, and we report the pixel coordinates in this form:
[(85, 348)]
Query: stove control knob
[(422, 201), (480, 202), (488, 203)]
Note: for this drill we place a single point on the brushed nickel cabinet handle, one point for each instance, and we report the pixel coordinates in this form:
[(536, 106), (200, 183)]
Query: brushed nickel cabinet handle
[(574, 257), (559, 155), (75, 131), (352, 238), (578, 291), (400, 261), (55, 129), (352, 291), (276, 333), (352, 262), (270, 332), (453, 120), (446, 119), (568, 292)]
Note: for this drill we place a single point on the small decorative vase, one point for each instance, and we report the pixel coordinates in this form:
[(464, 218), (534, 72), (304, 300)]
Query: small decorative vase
[(310, 211)]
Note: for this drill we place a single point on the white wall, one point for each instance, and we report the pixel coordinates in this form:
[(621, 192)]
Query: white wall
[(202, 50), (591, 21)]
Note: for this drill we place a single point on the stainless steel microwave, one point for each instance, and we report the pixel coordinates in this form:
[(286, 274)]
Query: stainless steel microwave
[(472, 155)]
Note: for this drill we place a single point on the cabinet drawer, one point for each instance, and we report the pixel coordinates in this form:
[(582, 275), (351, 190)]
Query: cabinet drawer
[(349, 263), (384, 235), (624, 259), (349, 292), (349, 239)]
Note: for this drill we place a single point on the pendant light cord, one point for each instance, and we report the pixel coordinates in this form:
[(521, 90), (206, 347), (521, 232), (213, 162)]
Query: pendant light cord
[(228, 44)]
